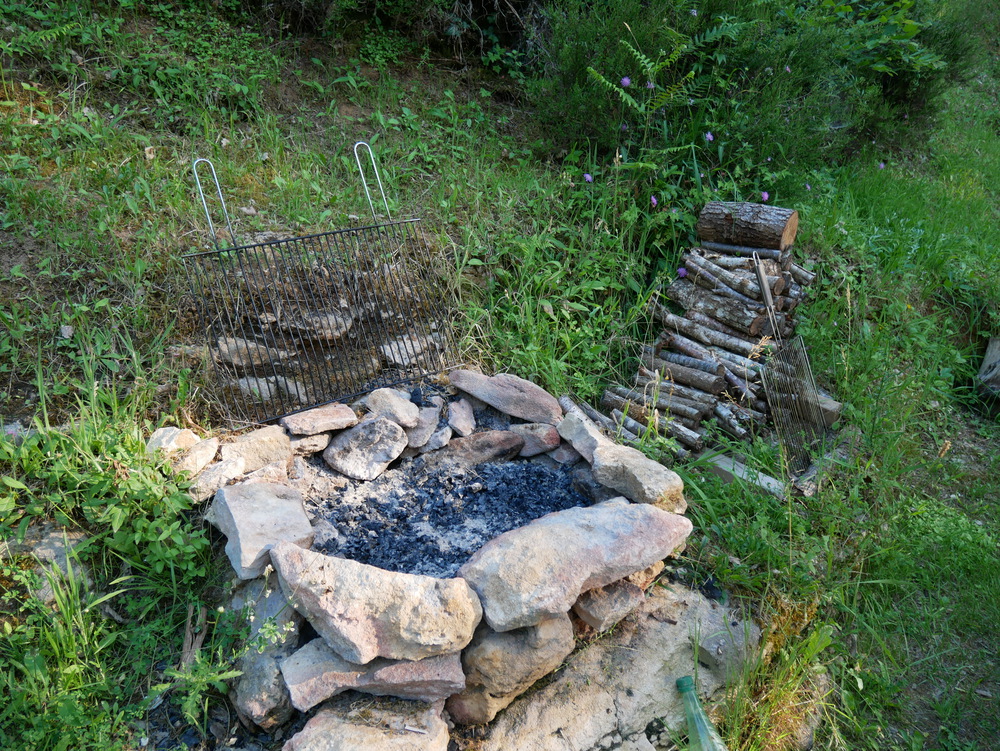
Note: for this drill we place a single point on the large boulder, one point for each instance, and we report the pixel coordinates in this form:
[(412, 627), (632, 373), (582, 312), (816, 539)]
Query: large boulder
[(365, 612), (614, 689), (366, 450), (511, 395), (501, 667), (351, 724), (539, 570), (316, 673), (253, 517)]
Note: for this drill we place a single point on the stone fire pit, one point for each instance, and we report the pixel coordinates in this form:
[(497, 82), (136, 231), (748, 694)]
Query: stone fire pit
[(523, 572)]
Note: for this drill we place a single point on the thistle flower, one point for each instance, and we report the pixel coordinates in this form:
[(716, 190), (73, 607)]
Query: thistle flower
[(682, 272), (626, 81), (709, 137), (587, 177), (653, 201), (650, 85), (881, 165), (764, 195)]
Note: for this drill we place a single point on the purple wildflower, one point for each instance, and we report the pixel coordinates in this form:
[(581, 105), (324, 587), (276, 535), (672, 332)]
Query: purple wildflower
[(682, 272), (808, 186), (624, 126), (587, 177), (787, 69), (650, 85), (881, 165), (709, 137), (764, 195), (626, 82), (652, 200)]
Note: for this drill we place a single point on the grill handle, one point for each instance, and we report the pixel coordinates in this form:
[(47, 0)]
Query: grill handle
[(363, 146), (204, 203)]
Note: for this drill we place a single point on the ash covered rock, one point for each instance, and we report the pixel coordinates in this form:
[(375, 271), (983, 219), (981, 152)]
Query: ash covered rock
[(428, 520)]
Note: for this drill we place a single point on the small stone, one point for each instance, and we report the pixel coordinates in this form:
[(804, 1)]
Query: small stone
[(510, 394), (603, 607), (320, 420), (196, 458), (170, 440), (315, 673), (438, 440), (426, 426), (582, 434), (259, 447), (366, 450), (565, 454), (461, 417), (309, 444), (55, 553), (323, 327), (216, 476), (631, 472), (407, 351), (254, 517), (275, 472), (395, 405), (246, 353), (538, 438)]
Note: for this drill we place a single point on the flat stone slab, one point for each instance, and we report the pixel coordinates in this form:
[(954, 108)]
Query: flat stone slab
[(539, 570), (323, 419), (616, 687), (479, 448), (215, 476), (603, 607), (632, 473), (373, 724), (364, 612), (510, 394), (170, 440), (254, 517), (259, 447), (582, 434), (538, 437), (316, 673), (461, 417), (427, 423), (366, 450), (197, 457), (395, 405)]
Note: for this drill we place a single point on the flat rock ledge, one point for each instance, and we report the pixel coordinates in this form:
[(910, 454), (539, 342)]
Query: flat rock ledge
[(539, 570), (364, 612)]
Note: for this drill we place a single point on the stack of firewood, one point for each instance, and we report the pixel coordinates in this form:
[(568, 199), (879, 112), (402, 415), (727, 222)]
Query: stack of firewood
[(707, 362)]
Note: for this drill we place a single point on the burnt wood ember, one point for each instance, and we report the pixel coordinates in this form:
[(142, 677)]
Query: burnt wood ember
[(420, 520)]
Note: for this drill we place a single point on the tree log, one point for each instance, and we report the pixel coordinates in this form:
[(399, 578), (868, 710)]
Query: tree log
[(640, 430), (650, 395), (674, 393), (699, 333), (699, 379), (706, 278), (638, 412), (706, 366), (748, 289), (802, 276), (750, 224), (742, 251), (727, 421)]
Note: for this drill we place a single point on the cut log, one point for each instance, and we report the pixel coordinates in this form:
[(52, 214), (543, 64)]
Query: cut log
[(742, 251), (639, 412), (755, 225), (727, 421), (673, 323), (802, 276), (706, 366), (713, 383), (742, 281), (649, 396), (705, 277), (989, 371), (640, 430), (672, 392)]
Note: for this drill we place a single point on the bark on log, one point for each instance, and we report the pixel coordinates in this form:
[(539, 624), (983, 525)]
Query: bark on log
[(746, 287), (742, 251), (640, 430), (750, 224), (706, 366), (673, 393), (652, 399), (698, 332), (707, 278), (727, 421), (636, 411), (711, 382), (802, 276), (989, 371)]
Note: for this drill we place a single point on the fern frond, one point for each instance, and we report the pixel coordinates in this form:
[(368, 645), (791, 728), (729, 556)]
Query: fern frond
[(626, 98)]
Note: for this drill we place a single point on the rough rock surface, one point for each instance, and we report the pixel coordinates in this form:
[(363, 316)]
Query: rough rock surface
[(364, 451), (260, 694), (582, 434), (55, 552), (320, 420), (395, 405), (438, 440), (196, 458), (255, 516), (366, 724), (407, 351), (275, 472), (540, 569), (631, 472), (170, 440), (619, 684), (603, 607), (500, 667), (510, 394), (310, 444), (246, 353), (461, 417), (538, 437), (364, 612), (427, 423), (478, 448), (259, 447), (315, 673), (216, 476)]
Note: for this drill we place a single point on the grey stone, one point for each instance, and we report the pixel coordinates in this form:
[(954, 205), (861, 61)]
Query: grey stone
[(540, 569), (395, 405), (585, 484), (170, 440), (247, 353), (538, 437), (275, 472), (427, 422), (461, 417), (216, 476), (256, 516), (603, 607), (323, 419), (500, 667), (310, 444), (55, 552), (320, 326), (364, 612), (510, 394), (438, 440), (364, 451), (619, 684), (631, 472), (351, 724), (259, 447), (407, 351), (196, 458), (565, 454), (582, 434), (315, 673), (478, 448)]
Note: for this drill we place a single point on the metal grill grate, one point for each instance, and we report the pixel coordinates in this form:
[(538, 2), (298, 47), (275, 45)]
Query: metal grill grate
[(794, 402), (305, 321)]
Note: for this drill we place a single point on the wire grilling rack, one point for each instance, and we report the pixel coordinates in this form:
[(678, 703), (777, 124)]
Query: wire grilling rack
[(300, 322)]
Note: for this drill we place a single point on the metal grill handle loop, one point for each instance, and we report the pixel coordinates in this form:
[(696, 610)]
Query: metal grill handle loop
[(364, 179), (204, 203)]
